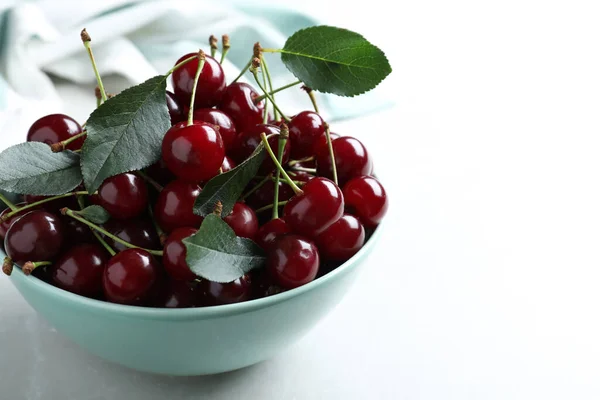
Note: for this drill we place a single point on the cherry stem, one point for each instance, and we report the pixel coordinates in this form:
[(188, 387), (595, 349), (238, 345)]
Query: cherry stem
[(29, 266), (98, 96), (313, 99), (268, 74), (306, 159), (202, 58), (218, 211), (258, 186), (7, 266), (266, 110), (151, 181), (181, 64), (243, 71), (303, 169), (110, 250), (289, 180), (85, 37), (273, 91), (283, 136), (269, 206), (272, 50), (8, 203), (255, 73), (39, 203), (212, 41), (299, 183), (226, 47), (162, 236), (331, 153), (70, 213), (62, 146)]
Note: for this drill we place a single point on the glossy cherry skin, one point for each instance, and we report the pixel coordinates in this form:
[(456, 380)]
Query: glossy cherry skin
[(139, 232), (305, 130), (211, 84), (4, 226), (269, 232), (316, 209), (242, 220), (175, 254), (292, 261), (228, 165), (174, 207), (176, 294), (341, 240), (36, 236), (75, 232), (238, 103), (55, 128), (366, 198), (175, 110), (80, 270), (218, 118), (124, 196), (351, 160), (265, 194), (226, 293), (321, 144), (247, 141), (193, 153), (131, 277)]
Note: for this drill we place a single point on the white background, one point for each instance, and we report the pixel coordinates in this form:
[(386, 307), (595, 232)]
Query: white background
[(485, 285)]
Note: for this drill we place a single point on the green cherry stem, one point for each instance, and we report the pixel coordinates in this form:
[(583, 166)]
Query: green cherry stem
[(242, 72), (29, 266), (255, 63), (268, 74), (70, 213), (39, 203), (289, 180), (306, 159), (266, 110), (258, 186), (313, 99), (331, 153), (226, 47), (283, 137), (303, 169), (110, 250), (269, 206), (8, 203), (62, 146), (213, 41), (273, 91), (85, 38), (181, 64), (202, 58)]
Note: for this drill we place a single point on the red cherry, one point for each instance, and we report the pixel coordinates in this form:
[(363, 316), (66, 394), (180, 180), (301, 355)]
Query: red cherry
[(176, 294), (193, 153), (124, 196), (228, 165), (211, 84), (351, 160), (265, 194), (131, 277), (175, 110), (76, 233), (175, 204), (321, 144), (247, 141), (175, 254), (315, 210), (269, 232), (226, 293), (139, 232), (160, 173), (366, 198), (341, 240), (36, 236), (305, 130), (80, 270), (293, 261), (242, 220), (55, 128), (5, 225), (220, 119), (238, 103)]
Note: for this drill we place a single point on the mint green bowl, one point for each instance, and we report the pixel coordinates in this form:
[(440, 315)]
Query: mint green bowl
[(192, 341)]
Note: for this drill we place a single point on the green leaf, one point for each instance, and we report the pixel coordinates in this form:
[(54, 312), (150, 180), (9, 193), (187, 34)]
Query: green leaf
[(216, 254), (125, 133), (95, 214), (12, 197), (32, 168), (335, 60), (228, 187)]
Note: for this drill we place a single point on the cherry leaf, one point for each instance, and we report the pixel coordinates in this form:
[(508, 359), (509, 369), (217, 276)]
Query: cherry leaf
[(95, 214)]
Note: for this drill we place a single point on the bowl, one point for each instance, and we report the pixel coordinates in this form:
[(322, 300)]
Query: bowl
[(192, 341)]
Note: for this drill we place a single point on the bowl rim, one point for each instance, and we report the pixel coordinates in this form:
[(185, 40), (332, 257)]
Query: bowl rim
[(196, 312)]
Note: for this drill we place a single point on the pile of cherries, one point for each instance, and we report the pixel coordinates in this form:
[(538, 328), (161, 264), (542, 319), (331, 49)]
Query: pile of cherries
[(321, 225)]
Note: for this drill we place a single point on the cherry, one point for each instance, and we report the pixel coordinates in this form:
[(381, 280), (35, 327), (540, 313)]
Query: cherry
[(316, 209), (238, 103), (5, 225), (305, 130), (211, 84), (242, 220), (220, 119), (321, 144), (139, 232), (36, 236), (124, 196), (131, 277), (80, 270), (193, 153), (351, 160), (341, 240), (269, 232), (175, 110), (160, 173), (366, 198), (174, 207), (263, 285), (292, 261), (176, 294), (265, 194), (175, 254), (247, 141), (228, 165), (216, 293), (55, 128), (76, 232)]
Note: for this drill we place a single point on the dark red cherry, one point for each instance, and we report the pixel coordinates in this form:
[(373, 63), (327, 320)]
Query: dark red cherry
[(211, 84), (316, 209), (175, 254), (292, 261), (5, 225), (131, 277), (247, 141), (176, 294), (220, 119), (226, 293), (124, 196), (80, 270), (175, 109), (228, 165), (160, 173), (238, 103), (36, 236), (366, 198), (269, 232), (55, 128), (193, 153), (76, 232), (138, 231), (305, 130), (175, 204), (265, 194), (351, 160), (321, 144), (341, 240), (242, 220)]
